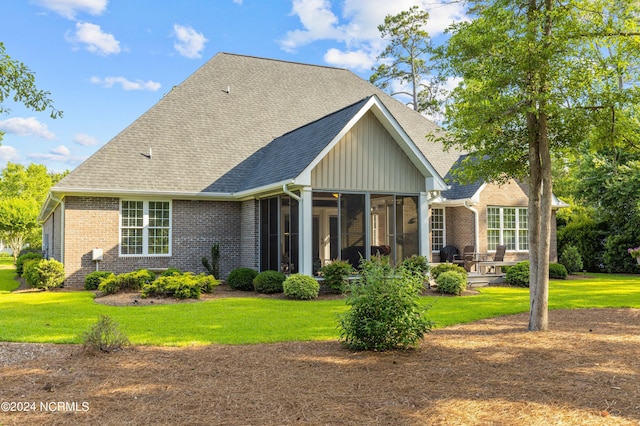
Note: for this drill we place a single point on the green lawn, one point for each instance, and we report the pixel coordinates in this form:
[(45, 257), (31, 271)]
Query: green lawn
[(7, 272), (62, 317)]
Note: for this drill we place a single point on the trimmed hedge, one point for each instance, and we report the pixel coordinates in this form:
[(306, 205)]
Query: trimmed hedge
[(269, 282), (130, 281), (242, 279), (303, 287), (446, 267), (451, 282), (23, 258), (44, 274), (93, 280), (181, 286)]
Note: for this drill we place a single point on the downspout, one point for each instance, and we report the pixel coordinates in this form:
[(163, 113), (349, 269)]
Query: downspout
[(285, 189), (61, 202), (476, 223)]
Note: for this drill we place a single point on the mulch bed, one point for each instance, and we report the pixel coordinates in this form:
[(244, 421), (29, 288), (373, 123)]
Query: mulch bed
[(585, 370)]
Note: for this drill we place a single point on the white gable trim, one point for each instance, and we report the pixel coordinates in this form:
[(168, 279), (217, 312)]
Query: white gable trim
[(433, 180)]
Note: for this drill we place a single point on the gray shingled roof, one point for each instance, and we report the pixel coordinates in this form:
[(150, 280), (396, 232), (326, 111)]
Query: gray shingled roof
[(459, 191), (205, 137)]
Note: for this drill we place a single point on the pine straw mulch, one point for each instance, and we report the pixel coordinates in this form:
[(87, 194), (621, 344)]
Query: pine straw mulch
[(586, 370)]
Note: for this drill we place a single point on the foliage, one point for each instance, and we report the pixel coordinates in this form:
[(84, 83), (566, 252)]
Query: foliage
[(50, 274), (451, 282), (557, 271), (18, 82), (518, 274), (214, 267), (571, 259), (181, 286), (269, 282), (582, 231), (616, 256), (384, 309), (130, 281), (242, 279), (23, 258), (104, 336), (524, 96), (171, 271), (93, 280), (18, 222), (446, 267), (417, 263), (404, 61), (302, 287), (29, 271), (336, 275)]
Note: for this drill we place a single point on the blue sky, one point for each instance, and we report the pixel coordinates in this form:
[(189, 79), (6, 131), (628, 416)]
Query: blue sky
[(107, 62)]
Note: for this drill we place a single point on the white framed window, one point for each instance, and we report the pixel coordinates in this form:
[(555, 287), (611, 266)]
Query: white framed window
[(437, 228), (508, 226), (145, 228)]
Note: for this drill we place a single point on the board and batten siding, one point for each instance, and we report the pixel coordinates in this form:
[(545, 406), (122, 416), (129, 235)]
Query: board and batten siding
[(368, 158)]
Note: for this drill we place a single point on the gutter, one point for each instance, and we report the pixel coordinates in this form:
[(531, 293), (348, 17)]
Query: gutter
[(476, 223), (285, 189)]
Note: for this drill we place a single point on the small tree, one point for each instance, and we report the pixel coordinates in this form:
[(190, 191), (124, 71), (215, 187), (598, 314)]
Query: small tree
[(385, 310), (18, 222), (214, 267)]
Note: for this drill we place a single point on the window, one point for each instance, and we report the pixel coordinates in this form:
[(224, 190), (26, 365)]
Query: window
[(437, 229), (145, 228), (508, 226)]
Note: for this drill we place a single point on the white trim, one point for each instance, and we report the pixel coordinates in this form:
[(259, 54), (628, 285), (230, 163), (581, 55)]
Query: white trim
[(145, 228)]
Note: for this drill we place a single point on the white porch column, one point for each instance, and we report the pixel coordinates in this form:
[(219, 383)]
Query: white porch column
[(425, 246), (306, 231)]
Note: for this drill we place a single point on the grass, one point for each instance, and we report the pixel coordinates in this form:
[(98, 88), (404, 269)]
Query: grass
[(62, 317), (7, 272)]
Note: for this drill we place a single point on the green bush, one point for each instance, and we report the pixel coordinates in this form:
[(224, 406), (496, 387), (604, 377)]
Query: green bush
[(130, 281), (384, 309), (29, 271), (104, 336), (43, 274), (242, 279), (571, 259), (518, 274), (451, 282), (269, 282), (419, 264), (446, 267), (588, 236), (93, 280), (184, 286), (171, 271), (557, 271), (23, 258), (303, 287), (336, 275)]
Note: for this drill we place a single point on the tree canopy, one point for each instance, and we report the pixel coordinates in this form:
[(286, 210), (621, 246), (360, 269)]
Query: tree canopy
[(18, 82), (406, 69), (540, 77)]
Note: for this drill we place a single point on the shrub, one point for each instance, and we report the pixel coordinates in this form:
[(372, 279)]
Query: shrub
[(571, 259), (419, 264), (214, 267), (130, 281), (93, 280), (171, 271), (451, 282), (184, 286), (336, 275), (269, 282), (23, 258), (104, 336), (303, 287), (242, 278), (385, 310), (518, 274), (446, 267), (557, 271), (29, 271)]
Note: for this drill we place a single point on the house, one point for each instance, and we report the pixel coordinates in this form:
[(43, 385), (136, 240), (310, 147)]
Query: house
[(285, 165)]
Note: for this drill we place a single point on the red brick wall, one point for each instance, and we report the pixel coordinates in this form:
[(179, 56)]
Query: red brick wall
[(93, 222)]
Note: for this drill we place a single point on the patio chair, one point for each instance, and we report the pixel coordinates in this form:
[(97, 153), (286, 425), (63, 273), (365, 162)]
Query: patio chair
[(499, 256), (466, 259)]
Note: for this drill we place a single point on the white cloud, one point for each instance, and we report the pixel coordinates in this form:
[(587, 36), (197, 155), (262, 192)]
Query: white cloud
[(84, 139), (354, 23), (190, 43), (94, 39), (26, 127), (60, 154), (355, 60), (61, 150), (238, 2), (126, 84), (69, 8), (8, 153)]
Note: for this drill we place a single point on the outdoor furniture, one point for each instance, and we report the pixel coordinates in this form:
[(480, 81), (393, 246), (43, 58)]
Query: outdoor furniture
[(467, 258), (448, 254), (496, 263)]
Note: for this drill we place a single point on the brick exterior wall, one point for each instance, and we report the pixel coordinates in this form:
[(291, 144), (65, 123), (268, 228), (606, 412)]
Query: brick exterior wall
[(249, 234), (93, 222), (460, 220)]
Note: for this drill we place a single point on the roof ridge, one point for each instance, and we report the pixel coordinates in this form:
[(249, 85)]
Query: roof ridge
[(285, 61)]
